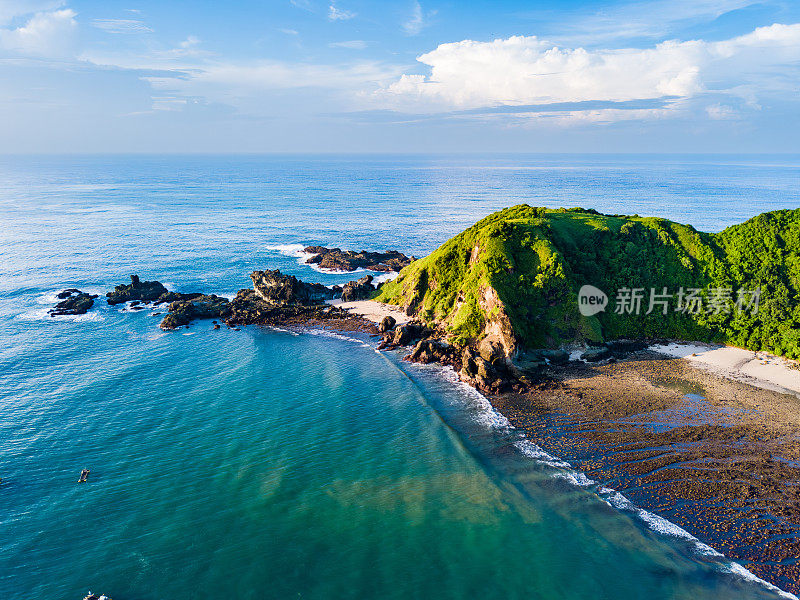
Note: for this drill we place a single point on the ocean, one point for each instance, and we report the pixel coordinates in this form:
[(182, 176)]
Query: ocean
[(266, 463)]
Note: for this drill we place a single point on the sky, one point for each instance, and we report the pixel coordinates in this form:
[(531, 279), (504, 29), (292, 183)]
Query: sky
[(400, 76)]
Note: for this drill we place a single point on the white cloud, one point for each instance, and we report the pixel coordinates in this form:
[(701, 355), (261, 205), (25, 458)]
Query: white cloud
[(721, 112), (639, 19), (46, 34), (11, 9), (190, 42), (350, 44), (415, 23), (338, 14), (290, 31), (124, 26), (528, 70), (302, 4)]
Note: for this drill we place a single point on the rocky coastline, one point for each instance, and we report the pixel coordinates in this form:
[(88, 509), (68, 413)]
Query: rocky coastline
[(335, 259), (721, 476), (275, 299)]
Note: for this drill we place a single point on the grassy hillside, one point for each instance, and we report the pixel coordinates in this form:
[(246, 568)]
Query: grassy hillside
[(515, 276)]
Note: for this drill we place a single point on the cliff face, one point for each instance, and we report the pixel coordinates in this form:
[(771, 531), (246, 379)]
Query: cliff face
[(514, 278)]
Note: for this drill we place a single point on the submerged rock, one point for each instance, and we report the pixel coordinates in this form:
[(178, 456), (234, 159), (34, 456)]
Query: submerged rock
[(183, 312), (73, 302), (276, 288), (136, 290), (361, 289), (335, 259)]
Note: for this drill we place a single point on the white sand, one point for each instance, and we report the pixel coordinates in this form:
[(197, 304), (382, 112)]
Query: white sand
[(761, 369), (374, 311)]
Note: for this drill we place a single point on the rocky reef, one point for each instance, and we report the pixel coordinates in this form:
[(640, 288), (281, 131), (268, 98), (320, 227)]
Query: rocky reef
[(275, 299), (335, 259), (144, 291), (182, 312), (72, 302), (361, 289), (277, 288)]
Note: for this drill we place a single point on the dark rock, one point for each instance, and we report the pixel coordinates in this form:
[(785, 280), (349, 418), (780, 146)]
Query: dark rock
[(176, 297), (361, 289), (248, 308), (428, 351), (387, 323), (621, 348), (596, 354), (183, 312), (216, 326), (135, 303), (335, 259), (556, 357), (277, 288), (407, 333), (491, 350), (136, 290), (73, 302)]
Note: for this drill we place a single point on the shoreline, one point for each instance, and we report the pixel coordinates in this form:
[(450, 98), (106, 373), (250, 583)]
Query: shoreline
[(760, 369), (372, 311), (710, 454)]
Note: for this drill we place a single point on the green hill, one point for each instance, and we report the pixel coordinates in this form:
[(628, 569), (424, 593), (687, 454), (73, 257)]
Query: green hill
[(514, 277)]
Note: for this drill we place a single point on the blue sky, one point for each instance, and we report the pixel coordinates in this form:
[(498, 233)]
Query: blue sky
[(399, 76)]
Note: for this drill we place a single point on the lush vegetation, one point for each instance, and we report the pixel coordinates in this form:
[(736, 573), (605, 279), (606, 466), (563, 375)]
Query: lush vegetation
[(525, 265)]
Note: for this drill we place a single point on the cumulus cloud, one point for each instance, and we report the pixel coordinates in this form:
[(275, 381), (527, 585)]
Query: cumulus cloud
[(528, 70), (46, 34), (338, 14), (11, 9)]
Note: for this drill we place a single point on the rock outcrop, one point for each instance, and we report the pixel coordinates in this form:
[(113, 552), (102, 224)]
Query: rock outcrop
[(176, 297), (250, 308), (387, 324), (182, 312), (361, 289), (335, 259), (72, 302), (145, 291), (276, 288)]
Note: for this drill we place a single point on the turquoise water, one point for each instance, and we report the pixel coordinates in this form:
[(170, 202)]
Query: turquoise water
[(266, 464)]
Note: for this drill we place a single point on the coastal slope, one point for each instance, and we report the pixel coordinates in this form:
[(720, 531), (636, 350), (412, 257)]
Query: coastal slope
[(514, 278)]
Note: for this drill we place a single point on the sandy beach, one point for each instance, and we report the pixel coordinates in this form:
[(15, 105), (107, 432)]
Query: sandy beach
[(756, 368), (373, 311)]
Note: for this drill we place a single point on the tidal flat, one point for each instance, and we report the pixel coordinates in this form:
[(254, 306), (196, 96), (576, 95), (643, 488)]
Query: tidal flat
[(720, 458)]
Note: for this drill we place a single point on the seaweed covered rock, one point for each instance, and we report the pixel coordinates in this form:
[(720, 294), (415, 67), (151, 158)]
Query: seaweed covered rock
[(276, 288), (72, 302), (145, 291), (183, 312), (335, 259), (361, 289)]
